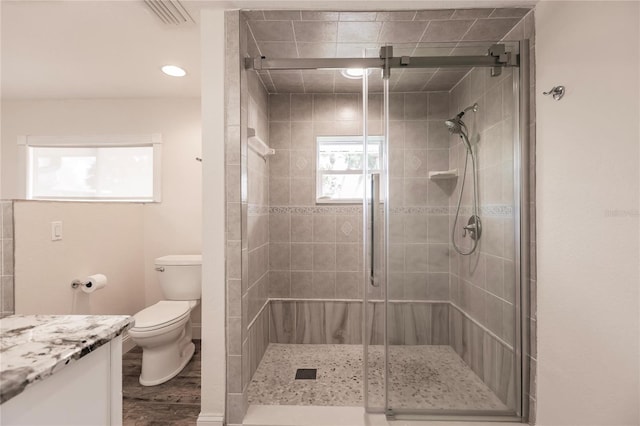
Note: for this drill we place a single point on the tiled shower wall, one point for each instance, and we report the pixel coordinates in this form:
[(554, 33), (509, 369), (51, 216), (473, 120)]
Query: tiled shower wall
[(241, 344), (236, 217), (255, 301), (7, 306), (418, 223), (247, 219), (315, 251), (418, 239), (247, 181), (483, 284)]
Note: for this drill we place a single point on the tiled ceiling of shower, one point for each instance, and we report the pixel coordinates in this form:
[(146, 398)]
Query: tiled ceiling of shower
[(316, 34)]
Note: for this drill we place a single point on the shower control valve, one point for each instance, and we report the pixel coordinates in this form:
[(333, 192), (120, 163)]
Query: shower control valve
[(474, 226), (470, 228)]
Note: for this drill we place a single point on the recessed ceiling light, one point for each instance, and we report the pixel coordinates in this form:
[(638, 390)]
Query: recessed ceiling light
[(354, 73), (173, 71)]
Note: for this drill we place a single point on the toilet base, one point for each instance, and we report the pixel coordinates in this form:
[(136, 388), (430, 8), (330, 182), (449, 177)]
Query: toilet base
[(188, 354), (165, 355)]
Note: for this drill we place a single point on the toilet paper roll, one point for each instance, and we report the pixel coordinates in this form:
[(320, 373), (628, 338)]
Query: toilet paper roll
[(94, 282)]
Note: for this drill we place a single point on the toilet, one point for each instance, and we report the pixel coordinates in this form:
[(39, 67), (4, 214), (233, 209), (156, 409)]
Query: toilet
[(163, 330)]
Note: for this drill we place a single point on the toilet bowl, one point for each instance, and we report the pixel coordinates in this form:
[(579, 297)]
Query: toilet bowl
[(163, 330)]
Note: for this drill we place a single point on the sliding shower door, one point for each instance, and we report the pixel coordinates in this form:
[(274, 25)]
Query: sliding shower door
[(375, 220), (442, 319)]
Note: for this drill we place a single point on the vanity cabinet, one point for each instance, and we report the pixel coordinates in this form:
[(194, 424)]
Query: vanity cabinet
[(81, 385)]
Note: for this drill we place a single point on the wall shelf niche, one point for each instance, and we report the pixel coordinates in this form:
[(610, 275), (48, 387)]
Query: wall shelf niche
[(443, 174)]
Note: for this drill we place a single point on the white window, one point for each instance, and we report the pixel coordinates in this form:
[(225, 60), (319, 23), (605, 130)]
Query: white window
[(91, 168), (340, 167)]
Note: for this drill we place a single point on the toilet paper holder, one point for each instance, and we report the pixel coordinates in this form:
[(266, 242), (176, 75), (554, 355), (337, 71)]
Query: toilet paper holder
[(90, 283), (79, 283)]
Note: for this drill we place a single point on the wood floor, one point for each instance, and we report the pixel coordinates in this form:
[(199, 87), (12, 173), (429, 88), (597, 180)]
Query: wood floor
[(176, 402)]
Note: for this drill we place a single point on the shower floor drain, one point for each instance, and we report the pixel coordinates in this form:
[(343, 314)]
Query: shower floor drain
[(306, 373)]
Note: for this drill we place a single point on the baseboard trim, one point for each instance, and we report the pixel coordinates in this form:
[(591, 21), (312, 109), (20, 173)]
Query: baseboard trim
[(210, 420), (196, 331), (127, 343)]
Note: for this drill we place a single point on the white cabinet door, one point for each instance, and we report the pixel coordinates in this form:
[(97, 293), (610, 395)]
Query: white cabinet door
[(84, 393)]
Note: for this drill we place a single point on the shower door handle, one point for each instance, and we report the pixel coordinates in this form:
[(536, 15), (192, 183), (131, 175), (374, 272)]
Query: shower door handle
[(375, 207)]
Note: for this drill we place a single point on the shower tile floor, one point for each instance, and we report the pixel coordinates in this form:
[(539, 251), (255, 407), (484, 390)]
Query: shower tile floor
[(423, 377), (176, 402)]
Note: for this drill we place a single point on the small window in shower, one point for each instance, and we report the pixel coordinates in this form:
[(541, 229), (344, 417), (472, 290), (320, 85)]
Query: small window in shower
[(92, 168), (340, 167)]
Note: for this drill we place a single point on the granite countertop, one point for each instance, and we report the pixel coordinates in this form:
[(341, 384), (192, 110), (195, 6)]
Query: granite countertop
[(34, 347)]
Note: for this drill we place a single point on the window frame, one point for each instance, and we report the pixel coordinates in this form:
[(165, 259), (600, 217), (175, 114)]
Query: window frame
[(347, 140), (25, 142)]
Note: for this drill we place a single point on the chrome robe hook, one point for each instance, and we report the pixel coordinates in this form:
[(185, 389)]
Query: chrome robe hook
[(557, 92)]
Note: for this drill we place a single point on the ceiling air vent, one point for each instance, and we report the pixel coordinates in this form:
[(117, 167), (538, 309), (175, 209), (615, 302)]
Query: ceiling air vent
[(170, 12)]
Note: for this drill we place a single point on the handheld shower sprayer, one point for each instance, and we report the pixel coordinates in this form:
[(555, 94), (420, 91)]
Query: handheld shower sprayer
[(474, 226), (458, 127)]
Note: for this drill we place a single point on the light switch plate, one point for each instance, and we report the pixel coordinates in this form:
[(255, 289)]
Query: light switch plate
[(56, 231)]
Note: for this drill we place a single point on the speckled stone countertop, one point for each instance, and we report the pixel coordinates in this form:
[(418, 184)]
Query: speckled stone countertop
[(34, 347)]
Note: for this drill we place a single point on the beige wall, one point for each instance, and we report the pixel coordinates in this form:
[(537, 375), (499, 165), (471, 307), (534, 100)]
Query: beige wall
[(103, 238), (170, 227), (588, 190)]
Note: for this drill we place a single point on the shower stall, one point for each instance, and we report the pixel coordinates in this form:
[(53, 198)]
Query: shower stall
[(386, 239)]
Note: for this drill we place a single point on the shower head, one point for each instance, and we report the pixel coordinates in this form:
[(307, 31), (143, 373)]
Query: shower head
[(455, 124), (457, 127)]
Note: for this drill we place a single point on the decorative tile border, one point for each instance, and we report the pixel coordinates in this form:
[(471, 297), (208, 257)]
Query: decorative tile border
[(441, 210), (496, 210), (490, 210), (317, 210), (257, 210)]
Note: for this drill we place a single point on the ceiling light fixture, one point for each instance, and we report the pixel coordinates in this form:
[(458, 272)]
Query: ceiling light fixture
[(354, 73), (173, 71)]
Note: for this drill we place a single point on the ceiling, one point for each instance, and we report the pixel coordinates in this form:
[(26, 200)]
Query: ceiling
[(316, 34), (95, 49), (114, 49)]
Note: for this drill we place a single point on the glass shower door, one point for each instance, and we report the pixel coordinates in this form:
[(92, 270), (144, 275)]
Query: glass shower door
[(374, 230), (441, 328)]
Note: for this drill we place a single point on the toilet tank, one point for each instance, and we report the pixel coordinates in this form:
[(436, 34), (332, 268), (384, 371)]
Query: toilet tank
[(180, 276)]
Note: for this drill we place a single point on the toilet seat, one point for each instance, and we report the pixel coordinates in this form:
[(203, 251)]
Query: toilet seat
[(161, 315)]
